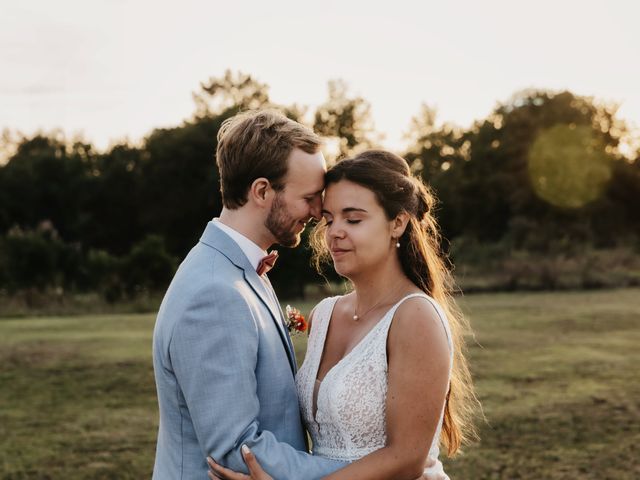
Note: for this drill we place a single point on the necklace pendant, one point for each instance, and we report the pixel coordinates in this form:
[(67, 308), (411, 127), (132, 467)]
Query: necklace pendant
[(356, 318)]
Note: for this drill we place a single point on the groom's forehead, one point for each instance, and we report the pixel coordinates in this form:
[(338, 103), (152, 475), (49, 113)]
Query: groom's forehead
[(306, 163), (308, 170)]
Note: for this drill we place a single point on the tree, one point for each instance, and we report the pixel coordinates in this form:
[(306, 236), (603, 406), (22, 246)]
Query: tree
[(46, 179), (232, 91), (345, 119), (180, 190), (111, 219), (492, 178)]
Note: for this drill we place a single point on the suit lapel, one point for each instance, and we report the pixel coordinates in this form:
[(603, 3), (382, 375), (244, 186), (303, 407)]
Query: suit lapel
[(283, 323), (216, 238), (271, 301)]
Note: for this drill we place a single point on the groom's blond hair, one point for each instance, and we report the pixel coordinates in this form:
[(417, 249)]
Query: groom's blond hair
[(257, 144)]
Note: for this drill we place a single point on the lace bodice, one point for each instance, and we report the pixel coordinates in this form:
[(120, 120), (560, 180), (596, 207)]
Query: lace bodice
[(349, 422)]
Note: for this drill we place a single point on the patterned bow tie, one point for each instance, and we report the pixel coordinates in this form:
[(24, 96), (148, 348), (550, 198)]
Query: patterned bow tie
[(267, 263)]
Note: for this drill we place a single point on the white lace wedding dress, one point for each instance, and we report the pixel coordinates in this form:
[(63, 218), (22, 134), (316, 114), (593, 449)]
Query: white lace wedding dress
[(349, 420)]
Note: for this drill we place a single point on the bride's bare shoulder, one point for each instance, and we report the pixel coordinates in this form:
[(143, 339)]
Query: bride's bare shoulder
[(418, 322)]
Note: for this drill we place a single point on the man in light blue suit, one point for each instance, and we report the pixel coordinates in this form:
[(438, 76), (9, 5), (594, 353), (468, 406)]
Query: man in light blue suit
[(223, 360)]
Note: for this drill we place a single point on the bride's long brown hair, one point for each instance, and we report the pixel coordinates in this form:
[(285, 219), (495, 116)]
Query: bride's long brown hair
[(388, 176)]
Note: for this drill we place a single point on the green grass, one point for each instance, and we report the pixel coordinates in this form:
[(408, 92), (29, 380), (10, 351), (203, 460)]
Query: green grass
[(557, 374)]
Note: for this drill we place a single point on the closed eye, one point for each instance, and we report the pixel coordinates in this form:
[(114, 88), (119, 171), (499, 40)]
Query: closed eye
[(353, 222)]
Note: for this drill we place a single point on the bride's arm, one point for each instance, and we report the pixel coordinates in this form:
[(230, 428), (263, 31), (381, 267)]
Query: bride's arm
[(418, 356)]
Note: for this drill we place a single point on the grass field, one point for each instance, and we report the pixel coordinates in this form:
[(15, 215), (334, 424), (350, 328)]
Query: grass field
[(557, 373)]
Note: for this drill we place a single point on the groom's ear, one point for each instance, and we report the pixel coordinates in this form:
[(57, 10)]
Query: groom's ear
[(261, 193)]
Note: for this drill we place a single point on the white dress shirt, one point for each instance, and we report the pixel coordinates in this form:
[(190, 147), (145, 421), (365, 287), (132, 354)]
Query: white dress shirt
[(251, 250)]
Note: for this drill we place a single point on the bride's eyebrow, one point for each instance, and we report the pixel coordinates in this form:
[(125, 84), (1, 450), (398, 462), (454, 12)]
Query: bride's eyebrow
[(353, 209), (346, 210)]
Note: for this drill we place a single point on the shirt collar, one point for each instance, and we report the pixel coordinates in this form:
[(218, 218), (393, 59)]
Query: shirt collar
[(251, 250)]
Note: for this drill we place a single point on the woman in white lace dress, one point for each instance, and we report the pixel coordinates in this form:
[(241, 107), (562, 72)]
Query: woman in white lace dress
[(384, 383)]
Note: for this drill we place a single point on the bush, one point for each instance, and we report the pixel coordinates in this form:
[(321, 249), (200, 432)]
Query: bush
[(148, 267), (39, 263), (499, 266), (30, 259)]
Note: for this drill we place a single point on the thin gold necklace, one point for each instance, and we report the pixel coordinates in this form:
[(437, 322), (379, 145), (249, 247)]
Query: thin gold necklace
[(357, 317)]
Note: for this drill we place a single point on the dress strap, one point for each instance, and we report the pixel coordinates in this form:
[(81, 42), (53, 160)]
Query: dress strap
[(436, 305), (322, 313), (320, 326)]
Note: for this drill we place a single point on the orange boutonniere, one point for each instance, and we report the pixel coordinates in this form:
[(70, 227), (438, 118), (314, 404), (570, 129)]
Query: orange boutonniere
[(295, 320)]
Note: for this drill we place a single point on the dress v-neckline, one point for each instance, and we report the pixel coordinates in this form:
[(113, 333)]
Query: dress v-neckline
[(314, 405), (355, 347)]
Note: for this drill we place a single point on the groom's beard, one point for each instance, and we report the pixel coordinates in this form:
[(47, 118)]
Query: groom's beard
[(281, 224)]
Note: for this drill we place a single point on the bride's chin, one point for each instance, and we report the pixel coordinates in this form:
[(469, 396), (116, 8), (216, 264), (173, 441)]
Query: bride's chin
[(343, 272), (340, 270)]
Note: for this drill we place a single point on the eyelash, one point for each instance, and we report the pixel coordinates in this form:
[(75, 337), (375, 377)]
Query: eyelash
[(351, 222)]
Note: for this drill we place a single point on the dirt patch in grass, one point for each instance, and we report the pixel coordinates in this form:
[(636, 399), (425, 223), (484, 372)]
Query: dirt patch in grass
[(34, 355)]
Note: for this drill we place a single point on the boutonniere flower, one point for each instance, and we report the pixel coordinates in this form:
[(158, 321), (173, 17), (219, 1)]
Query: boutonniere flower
[(295, 320)]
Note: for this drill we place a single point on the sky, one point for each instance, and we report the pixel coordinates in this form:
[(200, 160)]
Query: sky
[(111, 70)]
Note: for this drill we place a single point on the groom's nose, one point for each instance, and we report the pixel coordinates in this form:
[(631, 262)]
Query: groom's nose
[(315, 209)]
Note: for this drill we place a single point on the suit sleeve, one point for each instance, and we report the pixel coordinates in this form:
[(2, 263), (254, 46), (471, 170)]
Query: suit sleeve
[(213, 352)]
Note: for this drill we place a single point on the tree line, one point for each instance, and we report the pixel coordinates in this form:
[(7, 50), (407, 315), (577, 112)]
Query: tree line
[(536, 195)]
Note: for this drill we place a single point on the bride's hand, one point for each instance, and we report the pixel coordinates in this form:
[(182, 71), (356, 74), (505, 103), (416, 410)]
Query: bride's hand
[(255, 470)]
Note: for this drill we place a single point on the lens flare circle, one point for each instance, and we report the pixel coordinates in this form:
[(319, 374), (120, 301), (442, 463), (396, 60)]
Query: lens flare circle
[(568, 166)]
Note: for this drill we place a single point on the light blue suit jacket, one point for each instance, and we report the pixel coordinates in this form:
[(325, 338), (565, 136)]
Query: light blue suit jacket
[(224, 368)]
